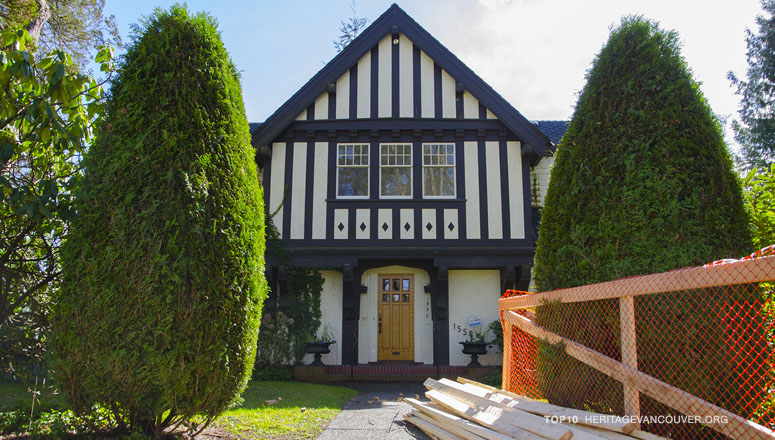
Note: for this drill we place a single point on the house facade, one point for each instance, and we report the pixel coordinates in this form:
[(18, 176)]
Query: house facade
[(407, 179)]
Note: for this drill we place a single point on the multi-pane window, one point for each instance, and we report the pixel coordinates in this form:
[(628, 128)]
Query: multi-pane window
[(352, 170), (438, 170), (395, 170)]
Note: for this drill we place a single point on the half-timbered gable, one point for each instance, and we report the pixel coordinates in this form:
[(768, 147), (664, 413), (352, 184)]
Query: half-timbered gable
[(399, 165)]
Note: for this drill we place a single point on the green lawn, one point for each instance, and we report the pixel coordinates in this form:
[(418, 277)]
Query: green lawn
[(285, 419), (17, 395), (250, 420)]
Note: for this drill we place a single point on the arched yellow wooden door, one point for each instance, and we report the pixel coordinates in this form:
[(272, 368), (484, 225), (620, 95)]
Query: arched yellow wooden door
[(396, 318)]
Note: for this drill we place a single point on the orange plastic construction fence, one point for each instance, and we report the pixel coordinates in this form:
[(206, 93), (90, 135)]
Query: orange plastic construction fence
[(687, 353)]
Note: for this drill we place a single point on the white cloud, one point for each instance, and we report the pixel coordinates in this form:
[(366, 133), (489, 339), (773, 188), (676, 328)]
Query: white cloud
[(535, 53)]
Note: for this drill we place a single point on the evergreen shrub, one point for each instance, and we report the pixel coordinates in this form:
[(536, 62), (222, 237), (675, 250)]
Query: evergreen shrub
[(163, 280), (642, 183)]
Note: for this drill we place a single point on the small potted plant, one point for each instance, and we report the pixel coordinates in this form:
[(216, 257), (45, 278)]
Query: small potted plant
[(475, 345), (320, 345)]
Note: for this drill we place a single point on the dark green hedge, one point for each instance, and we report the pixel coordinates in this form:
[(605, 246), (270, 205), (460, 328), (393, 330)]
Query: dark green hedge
[(642, 183), (163, 270)]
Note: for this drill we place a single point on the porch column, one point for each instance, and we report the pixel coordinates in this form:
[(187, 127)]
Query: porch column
[(440, 314), (523, 280), (351, 303), (508, 278), (282, 289), (270, 304)]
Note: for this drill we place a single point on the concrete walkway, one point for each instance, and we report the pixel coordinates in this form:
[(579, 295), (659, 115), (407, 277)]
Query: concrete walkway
[(375, 413)]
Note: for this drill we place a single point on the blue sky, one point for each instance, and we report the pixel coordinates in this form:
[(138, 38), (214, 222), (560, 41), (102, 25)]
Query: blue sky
[(533, 52)]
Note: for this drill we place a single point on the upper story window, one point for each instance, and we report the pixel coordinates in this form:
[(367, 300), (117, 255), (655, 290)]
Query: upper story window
[(438, 170), (352, 170), (395, 170)]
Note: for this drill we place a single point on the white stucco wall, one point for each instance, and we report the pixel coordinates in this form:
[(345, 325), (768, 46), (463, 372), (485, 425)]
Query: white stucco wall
[(331, 311), (472, 294), (539, 180), (367, 322)]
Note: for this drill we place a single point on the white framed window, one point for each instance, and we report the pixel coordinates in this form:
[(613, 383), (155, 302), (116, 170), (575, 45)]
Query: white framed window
[(395, 170), (352, 170), (438, 170)]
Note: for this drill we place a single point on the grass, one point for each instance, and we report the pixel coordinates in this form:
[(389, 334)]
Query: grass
[(250, 420), (285, 419), (17, 395)]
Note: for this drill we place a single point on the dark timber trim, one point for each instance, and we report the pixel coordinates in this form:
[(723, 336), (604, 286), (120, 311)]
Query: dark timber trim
[(417, 170), (441, 227), (454, 262), (505, 179), (416, 82), (374, 159), (351, 224), (440, 315), (460, 175), (484, 224), (331, 190), (354, 92), (374, 89), (437, 103), (351, 277), (309, 189), (286, 226), (394, 83), (267, 178), (418, 226), (331, 105), (396, 228), (459, 102)]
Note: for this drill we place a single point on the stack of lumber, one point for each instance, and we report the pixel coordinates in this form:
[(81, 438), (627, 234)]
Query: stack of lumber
[(473, 411)]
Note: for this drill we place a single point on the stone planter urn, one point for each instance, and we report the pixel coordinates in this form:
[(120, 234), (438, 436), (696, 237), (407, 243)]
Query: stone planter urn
[(475, 349), (318, 349)]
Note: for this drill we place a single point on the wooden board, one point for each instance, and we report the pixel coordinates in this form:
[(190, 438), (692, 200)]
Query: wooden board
[(547, 409), (497, 401), (451, 428), (530, 422), (491, 420), (433, 431), (643, 435), (741, 272), (438, 414)]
